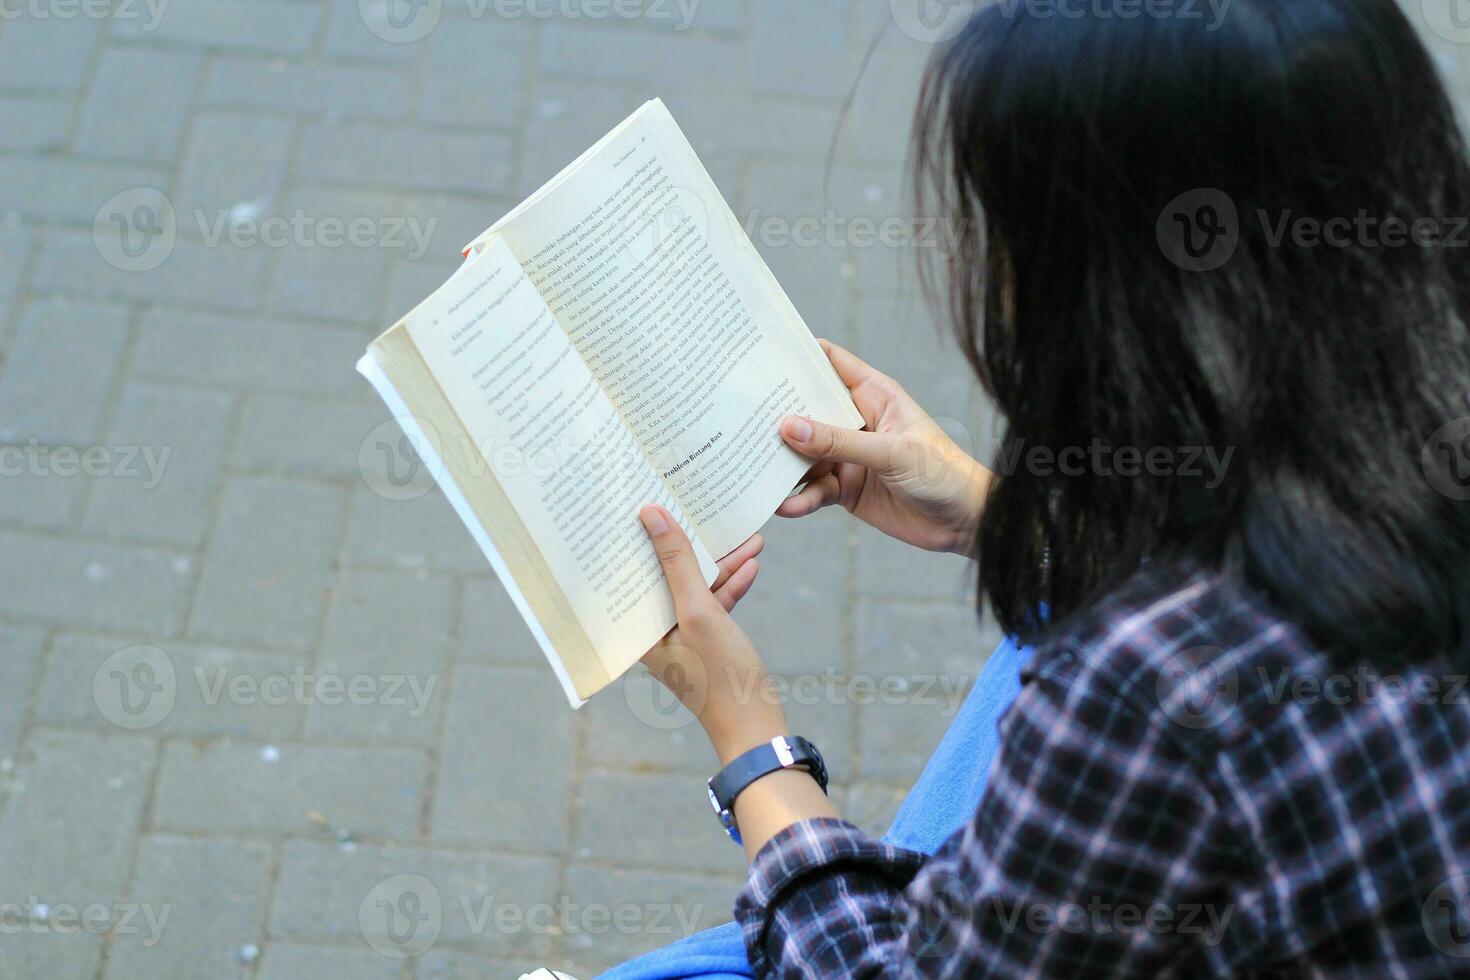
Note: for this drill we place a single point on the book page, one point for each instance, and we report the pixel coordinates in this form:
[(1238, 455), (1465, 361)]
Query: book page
[(639, 257), (561, 656), (549, 435)]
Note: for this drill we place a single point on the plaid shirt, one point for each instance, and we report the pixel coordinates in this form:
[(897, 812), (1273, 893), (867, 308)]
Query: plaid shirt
[(1185, 786)]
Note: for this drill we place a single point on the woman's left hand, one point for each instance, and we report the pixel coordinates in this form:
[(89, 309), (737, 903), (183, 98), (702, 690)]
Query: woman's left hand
[(707, 661)]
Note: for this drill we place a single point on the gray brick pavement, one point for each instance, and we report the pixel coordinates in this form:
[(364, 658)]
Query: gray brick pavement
[(197, 663), (200, 907)]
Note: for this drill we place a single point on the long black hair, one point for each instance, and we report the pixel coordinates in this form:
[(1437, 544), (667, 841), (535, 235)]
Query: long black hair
[(1135, 201)]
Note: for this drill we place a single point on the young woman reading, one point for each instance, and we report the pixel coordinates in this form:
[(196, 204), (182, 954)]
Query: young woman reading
[(1163, 755)]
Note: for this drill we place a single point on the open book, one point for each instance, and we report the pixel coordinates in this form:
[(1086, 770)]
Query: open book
[(615, 340)]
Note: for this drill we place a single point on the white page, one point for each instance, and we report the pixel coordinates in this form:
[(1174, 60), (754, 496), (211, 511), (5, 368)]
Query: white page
[(639, 257), (369, 368), (556, 445)]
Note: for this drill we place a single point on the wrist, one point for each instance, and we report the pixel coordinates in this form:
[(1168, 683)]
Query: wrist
[(972, 500), (733, 733), (756, 774), (738, 717), (776, 801)]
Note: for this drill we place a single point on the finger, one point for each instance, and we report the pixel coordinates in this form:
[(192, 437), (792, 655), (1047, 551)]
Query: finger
[(738, 584), (853, 370), (818, 440), (676, 555), (813, 497), (743, 553), (818, 470)]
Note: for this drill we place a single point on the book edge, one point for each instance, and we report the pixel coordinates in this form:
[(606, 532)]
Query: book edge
[(369, 368), (558, 178)]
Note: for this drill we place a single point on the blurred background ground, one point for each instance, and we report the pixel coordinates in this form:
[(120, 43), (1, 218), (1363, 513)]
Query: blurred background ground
[(174, 801)]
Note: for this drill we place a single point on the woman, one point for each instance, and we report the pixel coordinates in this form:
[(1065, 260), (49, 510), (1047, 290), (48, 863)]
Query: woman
[(1177, 789)]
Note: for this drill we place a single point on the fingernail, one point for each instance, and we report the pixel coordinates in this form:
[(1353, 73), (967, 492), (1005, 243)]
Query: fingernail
[(799, 428), (653, 520)]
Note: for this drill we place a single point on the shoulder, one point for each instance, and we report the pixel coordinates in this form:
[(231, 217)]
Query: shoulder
[(1191, 648)]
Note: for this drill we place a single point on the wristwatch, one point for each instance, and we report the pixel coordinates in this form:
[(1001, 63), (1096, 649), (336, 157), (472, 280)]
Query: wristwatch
[(781, 752)]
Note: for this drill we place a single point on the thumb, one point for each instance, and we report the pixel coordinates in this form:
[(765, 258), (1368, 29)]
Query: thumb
[(676, 555), (818, 440)]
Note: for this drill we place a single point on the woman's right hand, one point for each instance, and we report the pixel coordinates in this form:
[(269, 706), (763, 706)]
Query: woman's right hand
[(901, 473)]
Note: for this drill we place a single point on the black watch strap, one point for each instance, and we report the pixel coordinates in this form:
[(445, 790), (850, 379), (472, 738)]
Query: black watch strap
[(781, 752)]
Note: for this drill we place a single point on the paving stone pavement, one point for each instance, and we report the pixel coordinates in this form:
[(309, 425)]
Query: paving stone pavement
[(260, 719)]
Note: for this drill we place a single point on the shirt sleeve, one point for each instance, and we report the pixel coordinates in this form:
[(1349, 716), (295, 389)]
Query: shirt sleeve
[(820, 897), (1096, 848)]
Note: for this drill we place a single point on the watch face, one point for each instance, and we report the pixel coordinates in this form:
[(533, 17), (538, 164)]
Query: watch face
[(712, 801)]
